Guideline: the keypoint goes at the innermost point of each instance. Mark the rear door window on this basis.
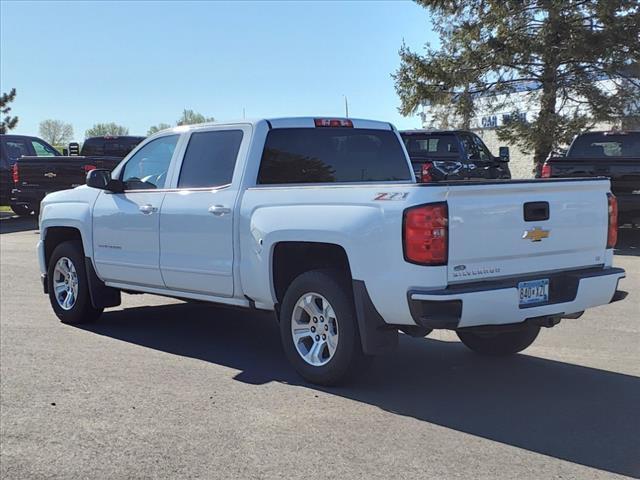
(210, 159)
(332, 155)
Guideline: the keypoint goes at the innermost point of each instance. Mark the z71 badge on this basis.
(391, 196)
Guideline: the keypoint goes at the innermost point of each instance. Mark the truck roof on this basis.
(288, 122)
(428, 131)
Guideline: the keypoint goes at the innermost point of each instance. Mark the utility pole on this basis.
(346, 106)
(243, 117)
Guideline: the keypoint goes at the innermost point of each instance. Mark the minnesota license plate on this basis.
(533, 291)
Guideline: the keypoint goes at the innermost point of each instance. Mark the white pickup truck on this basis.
(322, 221)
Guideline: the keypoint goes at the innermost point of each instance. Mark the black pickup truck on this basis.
(439, 155)
(13, 147)
(612, 154)
(34, 177)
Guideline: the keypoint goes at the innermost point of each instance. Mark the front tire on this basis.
(318, 328)
(68, 286)
(500, 343)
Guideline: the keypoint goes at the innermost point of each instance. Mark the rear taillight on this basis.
(426, 232)
(88, 168)
(612, 231)
(546, 170)
(426, 172)
(333, 122)
(15, 173)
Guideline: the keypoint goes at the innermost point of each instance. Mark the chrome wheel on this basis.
(65, 283)
(314, 329)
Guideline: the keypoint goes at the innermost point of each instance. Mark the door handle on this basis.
(147, 209)
(219, 210)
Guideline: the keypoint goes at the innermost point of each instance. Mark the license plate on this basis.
(534, 291)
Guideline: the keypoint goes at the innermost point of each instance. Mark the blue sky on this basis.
(140, 64)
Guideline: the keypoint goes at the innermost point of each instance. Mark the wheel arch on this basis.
(101, 295)
(292, 258)
(54, 236)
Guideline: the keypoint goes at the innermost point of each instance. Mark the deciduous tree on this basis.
(190, 117)
(102, 129)
(156, 128)
(56, 132)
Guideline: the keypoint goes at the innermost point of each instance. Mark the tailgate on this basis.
(51, 173)
(489, 236)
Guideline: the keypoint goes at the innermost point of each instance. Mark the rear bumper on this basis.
(497, 302)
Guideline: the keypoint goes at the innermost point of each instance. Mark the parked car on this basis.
(36, 176)
(321, 221)
(612, 154)
(438, 155)
(12, 147)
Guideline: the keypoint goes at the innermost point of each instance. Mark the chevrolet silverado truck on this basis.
(438, 155)
(612, 154)
(36, 176)
(321, 221)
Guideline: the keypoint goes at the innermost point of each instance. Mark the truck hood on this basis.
(81, 194)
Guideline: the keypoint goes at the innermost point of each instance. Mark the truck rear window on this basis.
(434, 145)
(606, 145)
(110, 146)
(332, 155)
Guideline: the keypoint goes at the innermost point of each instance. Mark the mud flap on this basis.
(101, 295)
(376, 335)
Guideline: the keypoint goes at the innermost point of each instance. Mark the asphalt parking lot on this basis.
(164, 389)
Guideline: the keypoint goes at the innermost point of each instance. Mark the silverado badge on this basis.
(535, 234)
(50, 175)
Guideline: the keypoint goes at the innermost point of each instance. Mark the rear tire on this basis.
(21, 210)
(68, 287)
(318, 307)
(500, 343)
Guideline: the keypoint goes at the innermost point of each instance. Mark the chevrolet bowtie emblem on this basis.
(50, 175)
(535, 234)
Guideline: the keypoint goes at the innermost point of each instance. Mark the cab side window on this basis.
(474, 148)
(148, 167)
(43, 150)
(210, 159)
(484, 154)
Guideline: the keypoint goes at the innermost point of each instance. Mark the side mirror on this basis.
(101, 178)
(503, 153)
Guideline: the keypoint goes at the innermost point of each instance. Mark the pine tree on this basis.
(7, 122)
(581, 57)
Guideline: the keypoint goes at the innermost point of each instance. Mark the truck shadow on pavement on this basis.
(578, 414)
(628, 242)
(14, 224)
